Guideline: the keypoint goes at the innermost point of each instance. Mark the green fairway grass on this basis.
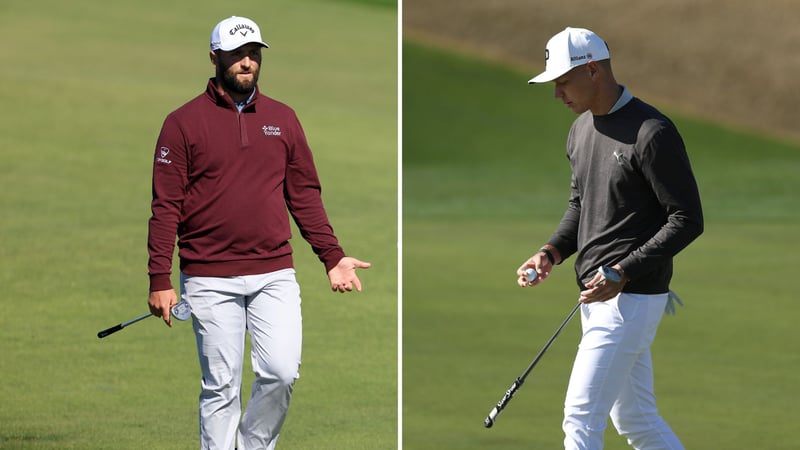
(84, 89)
(485, 182)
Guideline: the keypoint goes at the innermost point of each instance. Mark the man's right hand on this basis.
(539, 262)
(160, 303)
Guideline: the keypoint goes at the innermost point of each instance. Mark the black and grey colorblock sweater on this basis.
(634, 199)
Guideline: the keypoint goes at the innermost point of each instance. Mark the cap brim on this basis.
(547, 76)
(263, 44)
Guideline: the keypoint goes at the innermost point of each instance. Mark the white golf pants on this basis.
(223, 309)
(613, 375)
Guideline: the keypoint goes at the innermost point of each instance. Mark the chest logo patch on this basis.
(271, 130)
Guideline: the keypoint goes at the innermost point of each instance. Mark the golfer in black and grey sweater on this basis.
(634, 205)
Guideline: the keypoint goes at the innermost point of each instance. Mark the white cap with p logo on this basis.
(568, 49)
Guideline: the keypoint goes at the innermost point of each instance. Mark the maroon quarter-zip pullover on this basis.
(224, 183)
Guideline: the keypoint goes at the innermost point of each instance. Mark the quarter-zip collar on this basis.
(225, 100)
(240, 106)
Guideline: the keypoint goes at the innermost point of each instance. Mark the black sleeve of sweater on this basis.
(665, 165)
(565, 238)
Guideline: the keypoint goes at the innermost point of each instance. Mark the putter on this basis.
(490, 419)
(606, 273)
(181, 311)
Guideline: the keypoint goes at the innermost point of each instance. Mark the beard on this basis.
(231, 84)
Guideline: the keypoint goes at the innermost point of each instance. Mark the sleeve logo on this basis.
(163, 151)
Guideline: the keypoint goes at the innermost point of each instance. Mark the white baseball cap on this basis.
(235, 32)
(570, 48)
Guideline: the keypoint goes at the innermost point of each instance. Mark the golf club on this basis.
(181, 311)
(605, 273)
(490, 419)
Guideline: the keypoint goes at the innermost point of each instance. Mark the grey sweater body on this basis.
(634, 200)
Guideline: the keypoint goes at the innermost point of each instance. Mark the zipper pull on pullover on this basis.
(243, 140)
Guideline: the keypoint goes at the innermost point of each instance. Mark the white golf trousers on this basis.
(223, 309)
(613, 375)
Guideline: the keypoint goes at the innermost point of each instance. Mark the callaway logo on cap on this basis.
(234, 32)
(570, 48)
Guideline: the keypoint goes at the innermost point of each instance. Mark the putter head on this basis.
(609, 273)
(182, 311)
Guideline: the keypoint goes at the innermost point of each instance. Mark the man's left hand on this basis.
(343, 277)
(600, 289)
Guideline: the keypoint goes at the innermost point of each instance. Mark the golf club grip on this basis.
(108, 331)
(489, 421)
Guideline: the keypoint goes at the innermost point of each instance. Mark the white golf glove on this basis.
(672, 298)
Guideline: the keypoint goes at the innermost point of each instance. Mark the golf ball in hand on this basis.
(530, 275)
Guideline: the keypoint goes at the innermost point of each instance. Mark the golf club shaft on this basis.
(122, 325)
(490, 419)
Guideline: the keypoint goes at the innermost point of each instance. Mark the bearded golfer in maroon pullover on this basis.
(230, 167)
